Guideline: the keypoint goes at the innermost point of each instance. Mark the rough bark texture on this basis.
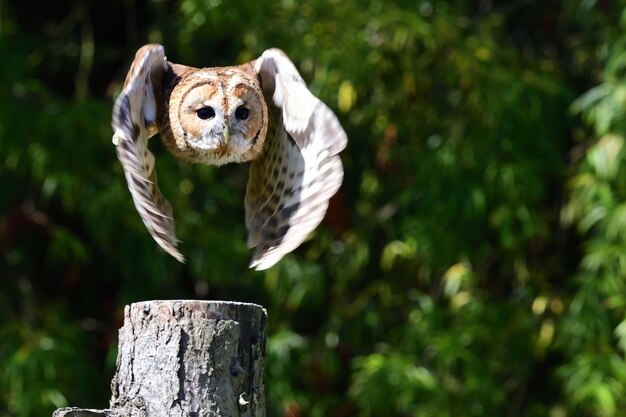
(188, 358)
(79, 412)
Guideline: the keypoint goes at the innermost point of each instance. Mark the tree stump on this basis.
(188, 358)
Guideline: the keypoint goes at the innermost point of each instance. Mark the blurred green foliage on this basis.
(473, 263)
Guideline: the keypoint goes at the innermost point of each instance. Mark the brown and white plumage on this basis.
(262, 112)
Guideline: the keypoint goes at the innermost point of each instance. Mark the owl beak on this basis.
(226, 134)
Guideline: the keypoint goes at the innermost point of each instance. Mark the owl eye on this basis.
(205, 113)
(241, 113)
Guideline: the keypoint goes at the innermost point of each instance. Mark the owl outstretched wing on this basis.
(299, 171)
(134, 121)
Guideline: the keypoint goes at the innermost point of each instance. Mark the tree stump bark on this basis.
(188, 358)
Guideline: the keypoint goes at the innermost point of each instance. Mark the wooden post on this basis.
(188, 358)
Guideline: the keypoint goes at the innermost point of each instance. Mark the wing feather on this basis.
(299, 170)
(134, 121)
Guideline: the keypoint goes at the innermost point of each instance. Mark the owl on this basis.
(260, 112)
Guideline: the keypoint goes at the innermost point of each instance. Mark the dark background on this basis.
(473, 263)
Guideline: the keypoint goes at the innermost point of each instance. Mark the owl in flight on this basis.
(262, 112)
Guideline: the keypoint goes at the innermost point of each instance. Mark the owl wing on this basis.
(134, 121)
(299, 170)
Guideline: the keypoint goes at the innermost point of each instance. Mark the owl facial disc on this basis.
(217, 116)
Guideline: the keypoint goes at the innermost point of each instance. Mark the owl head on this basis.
(217, 116)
